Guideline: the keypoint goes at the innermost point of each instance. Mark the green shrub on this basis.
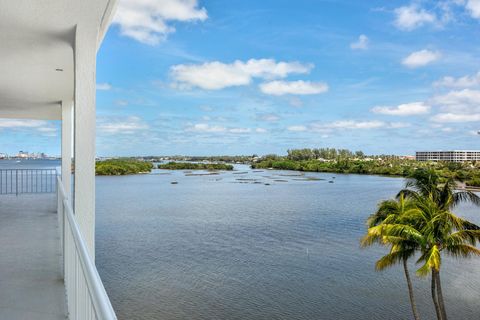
(119, 167)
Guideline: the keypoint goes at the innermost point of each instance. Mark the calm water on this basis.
(211, 247)
(30, 164)
(223, 247)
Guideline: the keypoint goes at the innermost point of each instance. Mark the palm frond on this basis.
(466, 196)
(462, 251)
(431, 259)
(389, 260)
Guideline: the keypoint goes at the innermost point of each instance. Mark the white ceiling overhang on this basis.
(36, 53)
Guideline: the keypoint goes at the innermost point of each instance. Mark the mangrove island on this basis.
(195, 166)
(120, 167)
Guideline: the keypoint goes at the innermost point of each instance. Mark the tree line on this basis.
(344, 161)
(195, 166)
(323, 153)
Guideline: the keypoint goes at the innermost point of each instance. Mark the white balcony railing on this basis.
(86, 295)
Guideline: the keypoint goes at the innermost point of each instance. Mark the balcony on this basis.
(47, 72)
(31, 279)
(46, 271)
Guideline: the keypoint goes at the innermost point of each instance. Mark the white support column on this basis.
(67, 146)
(84, 133)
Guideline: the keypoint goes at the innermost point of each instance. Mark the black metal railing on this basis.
(19, 181)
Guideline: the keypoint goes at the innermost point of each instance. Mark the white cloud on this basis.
(420, 58)
(351, 124)
(299, 87)
(356, 125)
(473, 7)
(147, 21)
(447, 129)
(104, 86)
(459, 101)
(218, 75)
(361, 43)
(121, 125)
(407, 109)
(398, 125)
(297, 128)
(239, 130)
(45, 128)
(411, 17)
(462, 82)
(48, 131)
(328, 127)
(453, 117)
(204, 127)
(458, 106)
(16, 123)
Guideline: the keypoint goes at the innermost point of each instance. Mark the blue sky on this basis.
(242, 77)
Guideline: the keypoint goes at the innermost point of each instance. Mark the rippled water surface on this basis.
(229, 247)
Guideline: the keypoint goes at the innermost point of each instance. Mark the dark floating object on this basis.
(292, 175)
(174, 182)
(331, 181)
(202, 174)
(308, 179)
(267, 184)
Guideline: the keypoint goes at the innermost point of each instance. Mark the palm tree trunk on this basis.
(410, 290)
(434, 297)
(440, 296)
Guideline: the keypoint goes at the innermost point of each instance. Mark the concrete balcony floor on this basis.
(31, 284)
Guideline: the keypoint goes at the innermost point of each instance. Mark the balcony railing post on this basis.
(16, 182)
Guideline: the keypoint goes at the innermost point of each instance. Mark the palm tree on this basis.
(391, 212)
(434, 230)
(427, 183)
(442, 197)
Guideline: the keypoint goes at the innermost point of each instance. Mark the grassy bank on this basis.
(195, 166)
(465, 172)
(120, 167)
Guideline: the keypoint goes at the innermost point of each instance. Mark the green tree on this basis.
(428, 183)
(436, 197)
(392, 212)
(434, 230)
(428, 226)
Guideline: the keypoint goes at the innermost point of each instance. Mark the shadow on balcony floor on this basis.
(31, 285)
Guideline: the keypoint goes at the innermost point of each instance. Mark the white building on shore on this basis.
(449, 156)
